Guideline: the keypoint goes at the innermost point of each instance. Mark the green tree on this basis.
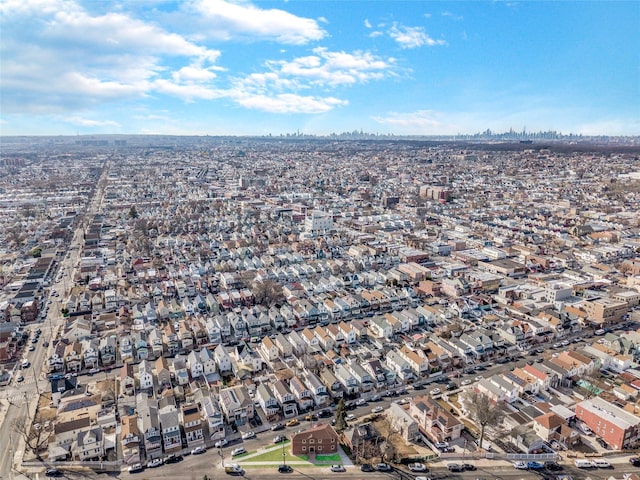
(341, 416)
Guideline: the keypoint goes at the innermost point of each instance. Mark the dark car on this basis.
(325, 413)
(552, 466)
(285, 469)
(367, 467)
(53, 472)
(635, 461)
(173, 459)
(469, 467)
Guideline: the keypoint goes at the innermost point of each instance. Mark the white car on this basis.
(238, 451)
(338, 468)
(221, 443)
(417, 467)
(248, 435)
(601, 463)
(377, 409)
(441, 444)
(466, 381)
(520, 465)
(198, 450)
(156, 462)
(435, 391)
(350, 417)
(360, 402)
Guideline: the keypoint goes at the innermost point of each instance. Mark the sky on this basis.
(235, 67)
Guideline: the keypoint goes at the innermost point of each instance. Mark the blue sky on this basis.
(223, 67)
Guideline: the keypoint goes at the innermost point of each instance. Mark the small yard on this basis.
(330, 459)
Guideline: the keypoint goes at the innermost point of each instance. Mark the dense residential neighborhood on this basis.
(219, 287)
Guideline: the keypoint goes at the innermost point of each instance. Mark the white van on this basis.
(599, 463)
(584, 464)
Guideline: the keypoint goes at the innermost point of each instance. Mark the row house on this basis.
(163, 374)
(91, 353)
(416, 359)
(268, 401)
(130, 439)
(269, 349)
(125, 346)
(380, 328)
(498, 389)
(236, 405)
(154, 342)
(170, 425)
(284, 346)
(396, 363)
(362, 376)
(302, 393)
(213, 331)
(192, 424)
(107, 348)
(286, 399)
(145, 376)
(72, 357)
(333, 385)
(345, 376)
(223, 359)
(377, 372)
(212, 415)
(318, 389)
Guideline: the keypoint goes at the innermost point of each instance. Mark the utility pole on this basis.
(284, 454)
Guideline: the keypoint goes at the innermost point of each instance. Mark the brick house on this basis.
(320, 440)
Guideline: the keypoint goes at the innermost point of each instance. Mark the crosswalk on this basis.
(20, 396)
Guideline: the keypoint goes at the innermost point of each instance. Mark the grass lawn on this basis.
(331, 459)
(274, 455)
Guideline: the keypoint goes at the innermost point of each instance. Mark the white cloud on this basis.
(412, 37)
(452, 16)
(327, 68)
(290, 103)
(412, 121)
(367, 23)
(87, 122)
(227, 20)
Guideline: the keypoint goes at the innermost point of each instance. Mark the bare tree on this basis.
(483, 411)
(15, 235)
(36, 437)
(267, 292)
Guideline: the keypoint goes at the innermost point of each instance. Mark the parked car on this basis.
(156, 462)
(248, 435)
(384, 467)
(221, 443)
(435, 391)
(635, 461)
(350, 417)
(553, 466)
(367, 467)
(238, 451)
(323, 414)
(377, 409)
(580, 463)
(535, 466)
(360, 402)
(53, 472)
(198, 450)
(135, 468)
(312, 417)
(173, 459)
(465, 382)
(285, 469)
(520, 465)
(338, 468)
(292, 423)
(277, 426)
(234, 469)
(468, 467)
(455, 467)
(279, 439)
(600, 463)
(417, 467)
(440, 445)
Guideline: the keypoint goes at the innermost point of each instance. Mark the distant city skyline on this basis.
(214, 67)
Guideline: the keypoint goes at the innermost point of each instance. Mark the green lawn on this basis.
(274, 455)
(331, 459)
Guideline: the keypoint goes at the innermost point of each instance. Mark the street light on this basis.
(284, 455)
(221, 455)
